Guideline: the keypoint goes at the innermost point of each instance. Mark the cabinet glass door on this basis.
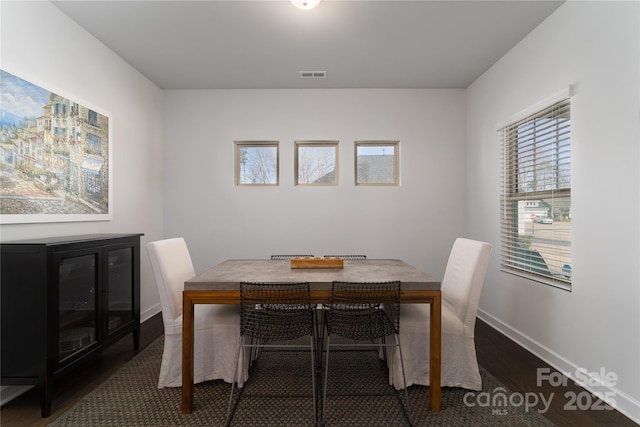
(78, 289)
(120, 288)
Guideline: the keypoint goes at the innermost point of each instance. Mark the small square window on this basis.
(257, 162)
(316, 163)
(377, 162)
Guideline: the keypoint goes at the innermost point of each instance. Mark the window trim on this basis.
(328, 144)
(396, 162)
(256, 144)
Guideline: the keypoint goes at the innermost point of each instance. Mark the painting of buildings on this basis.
(54, 156)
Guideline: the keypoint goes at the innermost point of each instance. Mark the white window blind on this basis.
(536, 195)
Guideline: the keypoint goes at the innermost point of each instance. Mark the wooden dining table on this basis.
(221, 285)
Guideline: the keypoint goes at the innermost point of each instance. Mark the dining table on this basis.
(220, 284)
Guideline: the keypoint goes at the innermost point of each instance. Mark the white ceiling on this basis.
(264, 44)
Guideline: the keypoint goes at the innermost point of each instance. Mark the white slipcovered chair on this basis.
(461, 286)
(216, 326)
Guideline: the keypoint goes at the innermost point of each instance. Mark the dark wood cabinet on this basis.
(63, 300)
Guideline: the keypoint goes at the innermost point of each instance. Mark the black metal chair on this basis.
(352, 257)
(323, 307)
(290, 256)
(363, 311)
(274, 312)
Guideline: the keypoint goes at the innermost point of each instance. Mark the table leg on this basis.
(435, 346)
(187, 353)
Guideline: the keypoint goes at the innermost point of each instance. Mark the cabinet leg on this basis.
(136, 340)
(45, 399)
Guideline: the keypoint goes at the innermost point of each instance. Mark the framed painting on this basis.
(54, 156)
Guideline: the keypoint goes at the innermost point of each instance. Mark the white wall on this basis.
(42, 45)
(417, 221)
(594, 45)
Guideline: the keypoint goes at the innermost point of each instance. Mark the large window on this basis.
(536, 196)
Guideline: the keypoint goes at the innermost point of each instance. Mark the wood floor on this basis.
(516, 368)
(508, 362)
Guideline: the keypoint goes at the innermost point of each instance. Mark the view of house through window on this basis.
(316, 163)
(256, 162)
(377, 162)
(536, 199)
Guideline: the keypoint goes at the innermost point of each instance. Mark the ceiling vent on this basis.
(313, 74)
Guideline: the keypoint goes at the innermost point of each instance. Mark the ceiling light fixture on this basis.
(305, 4)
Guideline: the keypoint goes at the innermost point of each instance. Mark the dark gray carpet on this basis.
(279, 394)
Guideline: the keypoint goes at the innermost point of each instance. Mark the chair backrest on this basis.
(352, 257)
(464, 277)
(356, 309)
(276, 311)
(172, 266)
(290, 256)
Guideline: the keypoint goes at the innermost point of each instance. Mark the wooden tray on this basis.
(317, 263)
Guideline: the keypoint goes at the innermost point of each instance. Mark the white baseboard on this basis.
(622, 402)
(150, 312)
(10, 392)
